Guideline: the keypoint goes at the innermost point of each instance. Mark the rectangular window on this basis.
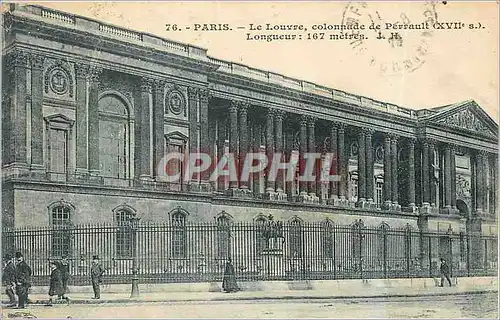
(379, 192)
(58, 145)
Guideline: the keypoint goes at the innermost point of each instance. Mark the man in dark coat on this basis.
(9, 279)
(64, 267)
(229, 283)
(445, 272)
(56, 283)
(23, 280)
(96, 272)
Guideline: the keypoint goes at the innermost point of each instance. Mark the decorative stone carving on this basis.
(58, 79)
(379, 154)
(354, 148)
(175, 102)
(465, 119)
(147, 85)
(204, 96)
(37, 61)
(463, 187)
(81, 69)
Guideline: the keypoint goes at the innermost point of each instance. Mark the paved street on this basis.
(459, 306)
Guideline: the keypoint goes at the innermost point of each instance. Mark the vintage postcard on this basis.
(319, 159)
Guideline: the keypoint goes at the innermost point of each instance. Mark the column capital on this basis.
(233, 106)
(393, 137)
(482, 153)
(192, 92)
(18, 58)
(147, 84)
(82, 69)
(37, 60)
(411, 141)
(429, 141)
(303, 120)
(311, 121)
(159, 84)
(279, 114)
(368, 131)
(243, 106)
(95, 73)
(204, 95)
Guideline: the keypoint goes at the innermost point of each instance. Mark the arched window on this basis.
(261, 242)
(125, 238)
(327, 239)
(223, 235)
(114, 136)
(60, 219)
(178, 218)
(295, 238)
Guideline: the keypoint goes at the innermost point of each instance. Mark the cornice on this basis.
(102, 43)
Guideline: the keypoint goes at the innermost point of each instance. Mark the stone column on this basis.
(387, 173)
(361, 168)
(484, 181)
(369, 166)
(334, 169)
(311, 149)
(453, 173)
(233, 137)
(81, 73)
(447, 177)
(243, 126)
(278, 129)
(342, 163)
(302, 151)
(269, 149)
(18, 62)
(411, 173)
(93, 120)
(37, 160)
(158, 125)
(221, 143)
(425, 174)
(145, 144)
(430, 172)
(494, 185)
(206, 144)
(394, 168)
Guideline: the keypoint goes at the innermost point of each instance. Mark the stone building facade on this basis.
(89, 110)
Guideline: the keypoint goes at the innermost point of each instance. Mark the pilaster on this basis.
(93, 121)
(145, 129)
(82, 72)
(278, 129)
(37, 159)
(361, 169)
(158, 125)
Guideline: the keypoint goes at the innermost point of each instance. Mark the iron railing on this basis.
(197, 252)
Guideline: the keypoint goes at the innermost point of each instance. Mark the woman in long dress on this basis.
(56, 284)
(229, 283)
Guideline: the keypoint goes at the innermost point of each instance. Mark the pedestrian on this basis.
(23, 280)
(9, 279)
(229, 283)
(56, 287)
(96, 272)
(445, 272)
(64, 266)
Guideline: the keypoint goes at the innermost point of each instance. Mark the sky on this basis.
(453, 65)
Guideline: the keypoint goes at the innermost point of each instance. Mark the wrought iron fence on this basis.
(197, 252)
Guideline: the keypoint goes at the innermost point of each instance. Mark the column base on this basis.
(275, 196)
(426, 208)
(338, 202)
(240, 193)
(448, 210)
(411, 208)
(362, 203)
(38, 172)
(308, 198)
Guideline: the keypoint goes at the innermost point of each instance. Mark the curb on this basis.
(284, 297)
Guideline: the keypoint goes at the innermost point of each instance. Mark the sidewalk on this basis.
(346, 293)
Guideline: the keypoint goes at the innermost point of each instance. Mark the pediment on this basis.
(468, 116)
(176, 136)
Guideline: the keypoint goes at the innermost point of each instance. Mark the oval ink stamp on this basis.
(395, 42)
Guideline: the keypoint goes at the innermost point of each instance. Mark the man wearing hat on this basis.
(23, 280)
(9, 279)
(96, 272)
